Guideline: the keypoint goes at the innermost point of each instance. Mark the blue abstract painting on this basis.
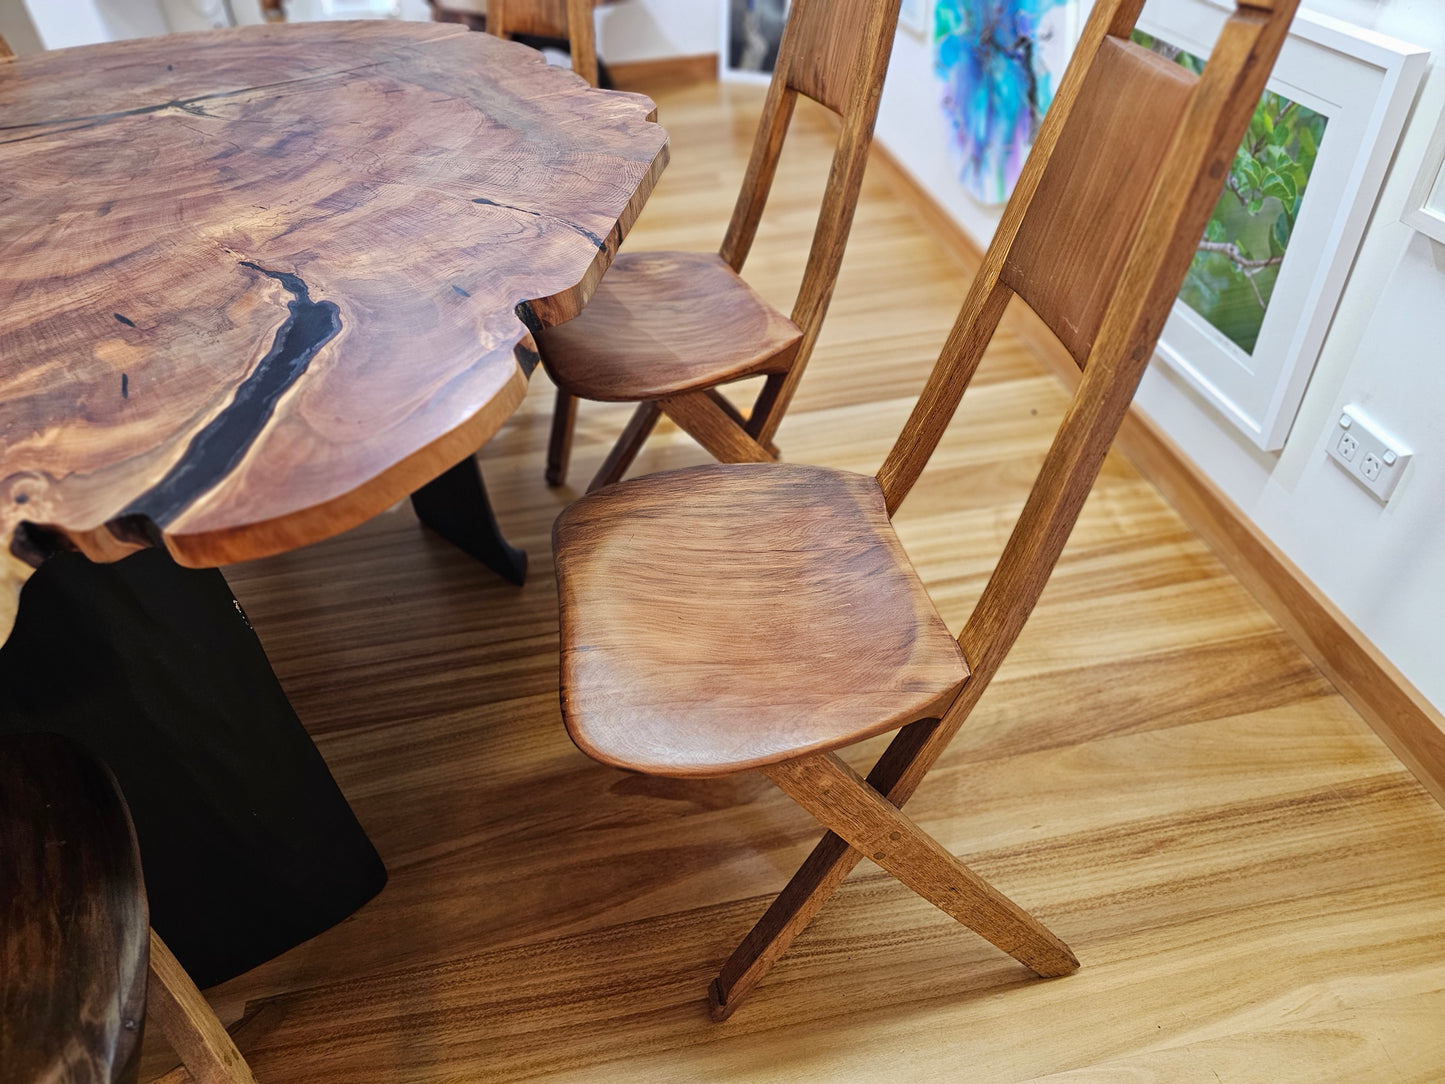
(1000, 62)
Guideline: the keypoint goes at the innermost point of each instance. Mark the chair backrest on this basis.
(569, 19)
(543, 18)
(1097, 238)
(835, 52)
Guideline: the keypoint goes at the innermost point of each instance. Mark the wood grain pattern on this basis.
(1251, 879)
(73, 930)
(715, 424)
(190, 1024)
(833, 636)
(297, 282)
(824, 61)
(846, 804)
(664, 323)
(1061, 262)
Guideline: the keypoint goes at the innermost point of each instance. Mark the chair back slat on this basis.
(814, 41)
(1067, 255)
(541, 18)
(836, 52)
(987, 297)
(823, 55)
(1136, 294)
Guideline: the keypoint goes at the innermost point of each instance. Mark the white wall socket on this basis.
(1367, 453)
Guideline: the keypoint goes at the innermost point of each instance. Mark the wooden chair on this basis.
(666, 329)
(80, 962)
(759, 616)
(560, 20)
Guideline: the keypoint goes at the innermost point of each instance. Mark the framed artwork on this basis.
(914, 15)
(1425, 207)
(1268, 273)
(751, 32)
(1000, 62)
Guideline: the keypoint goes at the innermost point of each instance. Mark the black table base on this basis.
(455, 505)
(247, 844)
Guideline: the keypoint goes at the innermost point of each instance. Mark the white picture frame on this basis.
(741, 43)
(1364, 83)
(914, 16)
(1425, 206)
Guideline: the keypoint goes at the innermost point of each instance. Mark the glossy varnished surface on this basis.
(74, 933)
(1252, 882)
(727, 617)
(837, 53)
(1063, 262)
(257, 285)
(667, 322)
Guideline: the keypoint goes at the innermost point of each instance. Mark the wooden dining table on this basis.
(256, 286)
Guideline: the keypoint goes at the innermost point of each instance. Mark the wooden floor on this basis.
(1255, 886)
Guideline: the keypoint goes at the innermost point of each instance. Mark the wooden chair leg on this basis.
(845, 803)
(188, 1023)
(710, 425)
(582, 37)
(816, 880)
(559, 446)
(742, 423)
(627, 446)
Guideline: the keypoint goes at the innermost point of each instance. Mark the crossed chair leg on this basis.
(862, 821)
(706, 416)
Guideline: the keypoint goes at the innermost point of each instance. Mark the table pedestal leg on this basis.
(247, 844)
(455, 506)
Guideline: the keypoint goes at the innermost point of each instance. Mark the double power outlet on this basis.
(1367, 453)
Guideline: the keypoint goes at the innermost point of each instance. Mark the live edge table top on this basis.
(257, 285)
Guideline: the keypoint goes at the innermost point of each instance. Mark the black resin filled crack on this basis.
(601, 244)
(214, 451)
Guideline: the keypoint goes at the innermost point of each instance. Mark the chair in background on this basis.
(5, 51)
(666, 329)
(568, 21)
(760, 616)
(78, 959)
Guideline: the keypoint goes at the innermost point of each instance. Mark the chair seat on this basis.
(732, 616)
(74, 926)
(662, 323)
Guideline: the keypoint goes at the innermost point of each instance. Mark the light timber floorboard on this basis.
(1255, 886)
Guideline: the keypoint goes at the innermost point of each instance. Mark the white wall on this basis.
(631, 30)
(1384, 567)
(647, 29)
(17, 28)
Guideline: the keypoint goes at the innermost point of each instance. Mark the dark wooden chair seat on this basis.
(803, 564)
(79, 963)
(74, 928)
(663, 323)
(760, 616)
